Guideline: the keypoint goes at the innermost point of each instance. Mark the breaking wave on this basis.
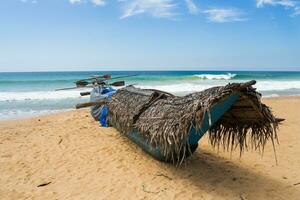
(39, 95)
(262, 86)
(176, 88)
(227, 76)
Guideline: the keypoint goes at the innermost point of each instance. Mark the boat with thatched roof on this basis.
(169, 127)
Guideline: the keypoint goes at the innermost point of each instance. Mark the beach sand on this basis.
(78, 159)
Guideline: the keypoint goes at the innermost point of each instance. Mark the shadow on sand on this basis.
(222, 177)
(219, 176)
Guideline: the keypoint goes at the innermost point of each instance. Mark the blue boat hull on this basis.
(216, 112)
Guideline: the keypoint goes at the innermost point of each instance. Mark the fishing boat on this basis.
(169, 127)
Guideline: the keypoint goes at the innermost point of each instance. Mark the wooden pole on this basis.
(247, 84)
(93, 103)
(85, 93)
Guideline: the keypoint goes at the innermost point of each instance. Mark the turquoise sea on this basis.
(25, 94)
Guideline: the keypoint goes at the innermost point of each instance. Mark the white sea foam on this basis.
(20, 114)
(272, 95)
(38, 95)
(227, 76)
(177, 88)
(26, 104)
(277, 85)
(193, 87)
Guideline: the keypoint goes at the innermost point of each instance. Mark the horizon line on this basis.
(130, 70)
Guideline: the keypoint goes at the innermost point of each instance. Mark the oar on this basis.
(105, 76)
(116, 84)
(72, 88)
(85, 93)
(93, 103)
(84, 82)
(123, 76)
(81, 83)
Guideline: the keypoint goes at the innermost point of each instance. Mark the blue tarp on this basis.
(104, 111)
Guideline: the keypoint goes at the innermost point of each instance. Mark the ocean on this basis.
(25, 94)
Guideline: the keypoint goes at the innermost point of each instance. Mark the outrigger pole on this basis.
(99, 80)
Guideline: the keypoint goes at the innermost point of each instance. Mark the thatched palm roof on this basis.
(165, 119)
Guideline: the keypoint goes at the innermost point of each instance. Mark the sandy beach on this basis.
(69, 156)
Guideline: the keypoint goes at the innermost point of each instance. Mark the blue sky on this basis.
(43, 35)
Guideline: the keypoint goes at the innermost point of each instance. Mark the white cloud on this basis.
(221, 15)
(193, 9)
(75, 1)
(297, 11)
(285, 3)
(98, 2)
(289, 4)
(156, 8)
(29, 1)
(95, 2)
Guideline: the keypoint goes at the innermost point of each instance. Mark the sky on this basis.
(62, 35)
